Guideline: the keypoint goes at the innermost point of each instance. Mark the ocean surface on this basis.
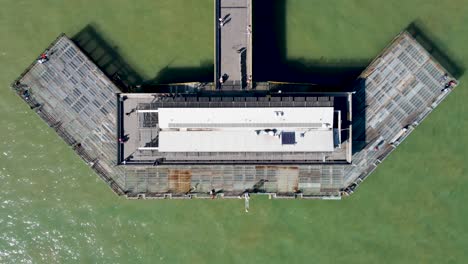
(54, 209)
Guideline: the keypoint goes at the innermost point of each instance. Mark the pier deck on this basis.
(396, 92)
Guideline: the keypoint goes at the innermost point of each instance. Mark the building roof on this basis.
(243, 141)
(246, 118)
(246, 129)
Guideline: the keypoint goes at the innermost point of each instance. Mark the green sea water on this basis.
(54, 209)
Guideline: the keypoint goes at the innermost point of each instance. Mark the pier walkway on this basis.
(233, 32)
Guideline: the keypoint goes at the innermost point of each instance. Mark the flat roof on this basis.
(246, 118)
(145, 120)
(246, 129)
(243, 141)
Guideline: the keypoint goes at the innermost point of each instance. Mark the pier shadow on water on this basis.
(270, 63)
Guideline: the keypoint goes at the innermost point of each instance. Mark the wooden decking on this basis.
(399, 89)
